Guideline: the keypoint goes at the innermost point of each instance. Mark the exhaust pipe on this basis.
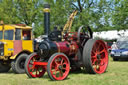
(46, 19)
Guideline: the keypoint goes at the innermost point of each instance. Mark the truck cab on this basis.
(16, 43)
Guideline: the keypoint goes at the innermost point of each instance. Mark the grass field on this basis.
(117, 74)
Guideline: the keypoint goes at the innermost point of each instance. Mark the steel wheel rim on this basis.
(59, 67)
(35, 71)
(99, 57)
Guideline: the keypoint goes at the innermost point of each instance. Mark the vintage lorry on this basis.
(16, 44)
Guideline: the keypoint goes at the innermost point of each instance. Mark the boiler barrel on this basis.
(48, 48)
(67, 48)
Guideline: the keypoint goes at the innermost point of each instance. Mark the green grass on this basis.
(117, 74)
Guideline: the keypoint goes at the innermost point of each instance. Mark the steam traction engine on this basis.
(61, 51)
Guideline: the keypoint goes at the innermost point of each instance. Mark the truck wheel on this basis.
(34, 71)
(95, 56)
(4, 67)
(58, 66)
(18, 64)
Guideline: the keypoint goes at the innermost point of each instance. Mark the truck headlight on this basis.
(2, 53)
(125, 53)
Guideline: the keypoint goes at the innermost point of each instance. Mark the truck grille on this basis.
(1, 49)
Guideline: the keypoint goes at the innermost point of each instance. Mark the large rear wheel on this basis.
(95, 56)
(58, 66)
(31, 70)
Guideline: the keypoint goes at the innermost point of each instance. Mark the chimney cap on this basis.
(46, 6)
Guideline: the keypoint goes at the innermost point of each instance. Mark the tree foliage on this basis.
(120, 14)
(98, 14)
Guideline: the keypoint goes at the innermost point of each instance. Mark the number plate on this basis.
(117, 54)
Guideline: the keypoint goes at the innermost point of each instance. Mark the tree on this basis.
(120, 14)
(99, 14)
(19, 11)
(8, 12)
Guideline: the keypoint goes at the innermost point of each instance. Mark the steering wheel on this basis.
(84, 33)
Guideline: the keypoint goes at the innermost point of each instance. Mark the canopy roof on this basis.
(20, 26)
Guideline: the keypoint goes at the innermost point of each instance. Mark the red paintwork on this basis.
(21, 25)
(67, 48)
(55, 69)
(17, 46)
(71, 36)
(63, 47)
(40, 63)
(99, 65)
(60, 65)
(36, 68)
(70, 45)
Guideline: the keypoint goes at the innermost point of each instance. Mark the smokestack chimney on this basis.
(46, 19)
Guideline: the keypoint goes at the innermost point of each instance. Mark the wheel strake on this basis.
(35, 71)
(99, 57)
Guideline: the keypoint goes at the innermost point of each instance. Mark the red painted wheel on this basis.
(31, 70)
(58, 66)
(95, 56)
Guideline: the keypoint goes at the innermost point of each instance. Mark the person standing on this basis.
(114, 46)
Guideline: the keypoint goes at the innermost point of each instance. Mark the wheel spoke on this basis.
(30, 63)
(62, 60)
(54, 72)
(102, 51)
(64, 69)
(102, 62)
(60, 73)
(39, 69)
(36, 72)
(98, 47)
(94, 57)
(94, 62)
(101, 66)
(56, 61)
(32, 68)
(64, 63)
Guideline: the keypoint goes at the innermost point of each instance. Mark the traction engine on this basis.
(62, 51)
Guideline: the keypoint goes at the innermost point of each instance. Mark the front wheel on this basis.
(32, 70)
(95, 56)
(18, 64)
(58, 66)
